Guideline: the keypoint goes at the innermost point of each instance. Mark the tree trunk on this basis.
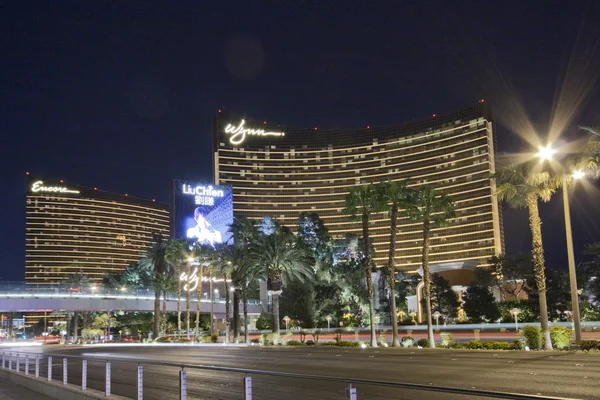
(85, 318)
(156, 327)
(178, 298)
(427, 280)
(10, 326)
(539, 269)
(188, 322)
(245, 305)
(227, 313)
(275, 298)
(392, 271)
(75, 327)
(365, 229)
(164, 312)
(236, 315)
(212, 304)
(198, 298)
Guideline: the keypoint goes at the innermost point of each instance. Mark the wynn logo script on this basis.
(238, 133)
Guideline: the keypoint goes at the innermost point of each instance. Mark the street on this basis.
(561, 374)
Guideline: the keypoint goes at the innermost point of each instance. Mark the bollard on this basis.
(26, 364)
(107, 382)
(182, 385)
(248, 387)
(65, 371)
(351, 392)
(10, 361)
(37, 366)
(84, 375)
(140, 382)
(49, 368)
(18, 363)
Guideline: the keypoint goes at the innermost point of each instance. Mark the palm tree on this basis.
(244, 233)
(589, 157)
(202, 254)
(520, 186)
(433, 209)
(155, 258)
(178, 252)
(284, 259)
(395, 195)
(361, 202)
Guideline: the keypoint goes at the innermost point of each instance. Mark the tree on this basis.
(479, 304)
(432, 209)
(155, 259)
(510, 274)
(520, 186)
(360, 203)
(79, 281)
(395, 196)
(284, 258)
(244, 233)
(589, 156)
(443, 298)
(179, 252)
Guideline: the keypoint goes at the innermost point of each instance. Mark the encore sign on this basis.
(38, 187)
(238, 133)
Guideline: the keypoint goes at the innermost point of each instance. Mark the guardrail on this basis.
(248, 383)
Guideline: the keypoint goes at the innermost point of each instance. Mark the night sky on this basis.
(120, 95)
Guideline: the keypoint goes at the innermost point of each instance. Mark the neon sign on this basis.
(194, 280)
(205, 195)
(38, 187)
(238, 133)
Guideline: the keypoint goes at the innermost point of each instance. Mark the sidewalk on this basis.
(10, 391)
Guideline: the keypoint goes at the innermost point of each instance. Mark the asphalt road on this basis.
(561, 374)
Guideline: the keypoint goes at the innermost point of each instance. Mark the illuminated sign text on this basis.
(238, 133)
(39, 187)
(205, 195)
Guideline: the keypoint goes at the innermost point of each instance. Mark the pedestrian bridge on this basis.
(24, 299)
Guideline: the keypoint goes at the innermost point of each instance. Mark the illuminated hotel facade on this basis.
(72, 229)
(282, 171)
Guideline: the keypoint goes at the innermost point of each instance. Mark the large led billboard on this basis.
(202, 212)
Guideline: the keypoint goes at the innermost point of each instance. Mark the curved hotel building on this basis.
(282, 171)
(71, 229)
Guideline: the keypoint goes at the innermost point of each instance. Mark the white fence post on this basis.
(18, 363)
(26, 364)
(182, 384)
(65, 363)
(247, 387)
(10, 361)
(49, 368)
(37, 366)
(107, 383)
(140, 383)
(84, 375)
(351, 392)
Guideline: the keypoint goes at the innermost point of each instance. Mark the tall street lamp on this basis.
(287, 320)
(546, 153)
(328, 318)
(437, 316)
(515, 312)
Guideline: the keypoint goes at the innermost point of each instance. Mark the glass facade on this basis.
(71, 228)
(282, 171)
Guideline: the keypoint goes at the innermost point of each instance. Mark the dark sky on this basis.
(120, 95)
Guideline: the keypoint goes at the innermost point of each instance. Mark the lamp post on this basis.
(413, 315)
(437, 316)
(546, 153)
(287, 319)
(401, 315)
(515, 312)
(328, 318)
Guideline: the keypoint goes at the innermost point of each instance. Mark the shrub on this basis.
(264, 339)
(561, 337)
(214, 338)
(533, 336)
(310, 342)
(496, 345)
(589, 345)
(456, 345)
(341, 343)
(474, 345)
(423, 343)
(516, 345)
(294, 343)
(264, 322)
(255, 340)
(407, 341)
(446, 338)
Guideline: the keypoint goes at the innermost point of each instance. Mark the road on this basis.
(561, 374)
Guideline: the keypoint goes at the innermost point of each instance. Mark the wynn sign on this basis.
(238, 133)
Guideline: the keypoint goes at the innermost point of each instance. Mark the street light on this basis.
(401, 315)
(437, 316)
(413, 315)
(546, 153)
(287, 320)
(515, 312)
(328, 318)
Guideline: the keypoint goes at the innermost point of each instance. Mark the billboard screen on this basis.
(202, 212)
